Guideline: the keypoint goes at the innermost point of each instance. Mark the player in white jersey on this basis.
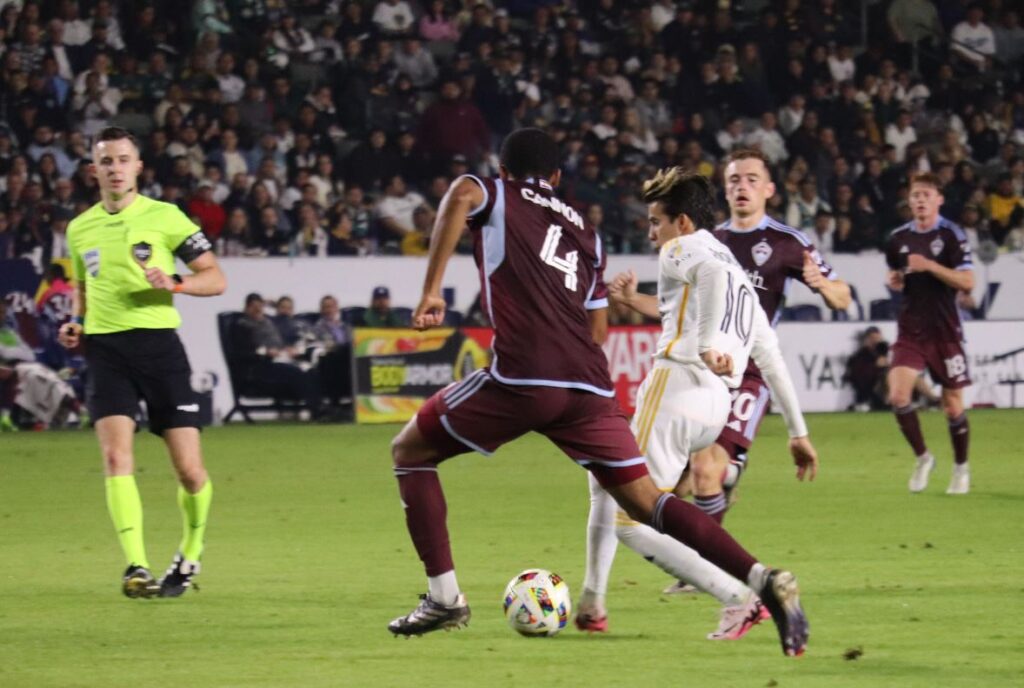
(712, 323)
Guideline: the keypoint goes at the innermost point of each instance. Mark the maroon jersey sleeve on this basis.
(478, 216)
(795, 258)
(958, 249)
(892, 252)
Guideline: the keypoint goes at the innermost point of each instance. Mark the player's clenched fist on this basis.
(812, 273)
(70, 335)
(430, 312)
(623, 287)
(717, 362)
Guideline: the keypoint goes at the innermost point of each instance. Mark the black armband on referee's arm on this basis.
(193, 247)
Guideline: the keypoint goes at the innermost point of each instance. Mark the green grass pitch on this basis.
(307, 559)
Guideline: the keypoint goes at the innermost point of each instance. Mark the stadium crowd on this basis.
(328, 127)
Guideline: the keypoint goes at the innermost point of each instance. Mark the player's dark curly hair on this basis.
(529, 152)
(682, 193)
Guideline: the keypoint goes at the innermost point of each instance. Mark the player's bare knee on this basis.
(952, 406)
(899, 399)
(192, 478)
(117, 461)
(406, 452)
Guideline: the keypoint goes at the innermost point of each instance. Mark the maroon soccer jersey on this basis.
(541, 269)
(772, 254)
(929, 311)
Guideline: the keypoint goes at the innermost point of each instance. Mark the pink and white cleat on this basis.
(591, 623)
(737, 620)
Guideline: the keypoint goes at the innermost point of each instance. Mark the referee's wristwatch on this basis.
(179, 283)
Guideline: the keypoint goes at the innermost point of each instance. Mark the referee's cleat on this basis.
(139, 582)
(431, 616)
(782, 598)
(179, 576)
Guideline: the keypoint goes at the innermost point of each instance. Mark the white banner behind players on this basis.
(816, 355)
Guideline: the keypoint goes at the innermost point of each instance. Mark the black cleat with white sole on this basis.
(431, 616)
(178, 577)
(782, 598)
(138, 582)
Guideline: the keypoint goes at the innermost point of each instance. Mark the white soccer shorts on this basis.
(679, 409)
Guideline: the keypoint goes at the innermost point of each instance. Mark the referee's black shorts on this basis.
(125, 367)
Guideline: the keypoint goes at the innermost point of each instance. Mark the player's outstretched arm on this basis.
(463, 195)
(835, 292)
(623, 289)
(768, 357)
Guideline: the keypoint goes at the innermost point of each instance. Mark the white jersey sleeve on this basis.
(768, 357)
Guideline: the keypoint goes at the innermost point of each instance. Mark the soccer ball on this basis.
(537, 603)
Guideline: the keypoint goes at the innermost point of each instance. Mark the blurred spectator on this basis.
(768, 139)
(12, 346)
(236, 239)
(416, 63)
(310, 238)
(210, 214)
(972, 40)
(393, 16)
(901, 134)
(437, 25)
(1005, 209)
(982, 139)
(335, 364)
(395, 210)
(264, 361)
(295, 331)
(292, 39)
(806, 206)
(417, 242)
(453, 126)
(866, 371)
(380, 314)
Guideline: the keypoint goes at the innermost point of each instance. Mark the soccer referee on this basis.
(123, 250)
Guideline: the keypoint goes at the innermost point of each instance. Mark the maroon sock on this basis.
(713, 505)
(692, 527)
(425, 516)
(960, 433)
(906, 416)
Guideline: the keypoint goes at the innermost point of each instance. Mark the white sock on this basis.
(444, 588)
(683, 563)
(601, 545)
(757, 578)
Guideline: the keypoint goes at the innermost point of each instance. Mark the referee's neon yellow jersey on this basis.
(108, 251)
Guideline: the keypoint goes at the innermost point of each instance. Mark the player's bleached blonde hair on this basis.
(682, 193)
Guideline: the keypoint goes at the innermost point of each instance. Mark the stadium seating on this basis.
(807, 312)
(882, 309)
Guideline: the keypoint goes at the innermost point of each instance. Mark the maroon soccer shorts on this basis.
(945, 361)
(749, 406)
(481, 414)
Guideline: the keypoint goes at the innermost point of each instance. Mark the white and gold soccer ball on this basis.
(537, 603)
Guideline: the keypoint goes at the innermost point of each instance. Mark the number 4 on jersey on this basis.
(568, 265)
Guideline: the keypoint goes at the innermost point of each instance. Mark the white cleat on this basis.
(960, 482)
(923, 471)
(680, 588)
